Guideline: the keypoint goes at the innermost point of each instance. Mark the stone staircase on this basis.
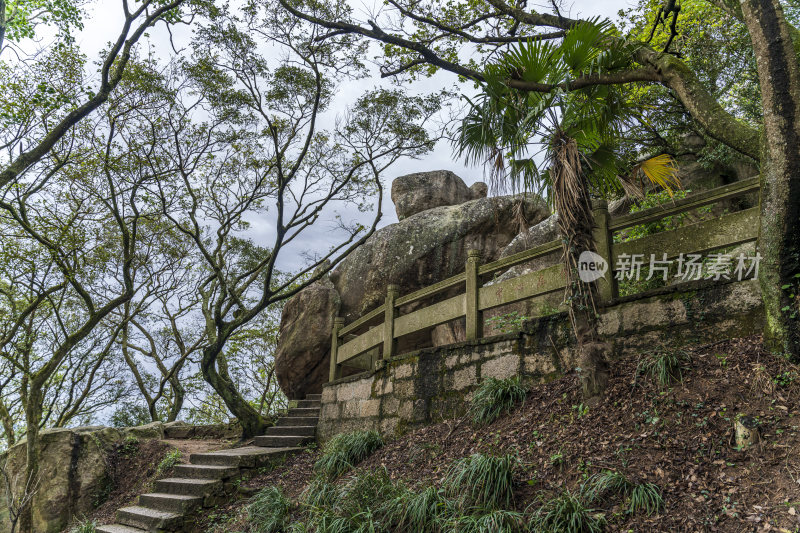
(209, 477)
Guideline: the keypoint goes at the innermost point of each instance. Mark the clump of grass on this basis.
(602, 485)
(171, 458)
(486, 480)
(645, 497)
(488, 520)
(418, 511)
(87, 526)
(664, 366)
(567, 513)
(268, 511)
(346, 450)
(367, 490)
(319, 493)
(641, 497)
(494, 397)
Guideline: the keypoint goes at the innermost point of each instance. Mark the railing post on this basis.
(338, 322)
(474, 322)
(607, 288)
(388, 321)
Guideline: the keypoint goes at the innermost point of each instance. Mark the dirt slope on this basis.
(679, 437)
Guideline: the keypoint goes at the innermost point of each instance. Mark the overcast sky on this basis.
(104, 21)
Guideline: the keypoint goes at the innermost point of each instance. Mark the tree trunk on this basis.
(779, 242)
(216, 374)
(33, 416)
(576, 223)
(179, 393)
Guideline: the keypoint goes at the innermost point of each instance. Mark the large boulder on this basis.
(428, 247)
(302, 358)
(74, 475)
(415, 193)
(422, 249)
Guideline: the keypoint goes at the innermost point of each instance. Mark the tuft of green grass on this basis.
(268, 511)
(418, 511)
(645, 497)
(319, 493)
(346, 450)
(171, 458)
(664, 366)
(87, 526)
(567, 513)
(366, 491)
(487, 521)
(494, 397)
(604, 484)
(486, 480)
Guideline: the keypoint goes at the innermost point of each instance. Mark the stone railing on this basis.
(381, 327)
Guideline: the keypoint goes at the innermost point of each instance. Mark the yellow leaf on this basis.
(661, 170)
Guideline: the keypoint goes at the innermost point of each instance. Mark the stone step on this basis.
(205, 471)
(173, 503)
(315, 404)
(188, 487)
(297, 421)
(118, 528)
(149, 519)
(282, 441)
(314, 397)
(306, 431)
(247, 457)
(304, 412)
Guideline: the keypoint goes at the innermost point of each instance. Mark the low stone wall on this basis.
(436, 383)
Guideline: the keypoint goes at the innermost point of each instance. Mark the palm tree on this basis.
(576, 133)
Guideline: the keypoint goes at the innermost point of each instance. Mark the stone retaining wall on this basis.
(436, 383)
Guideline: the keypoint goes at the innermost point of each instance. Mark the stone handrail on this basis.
(728, 230)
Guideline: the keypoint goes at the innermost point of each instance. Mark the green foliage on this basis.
(346, 450)
(488, 521)
(130, 446)
(494, 397)
(607, 482)
(642, 497)
(86, 526)
(130, 415)
(645, 497)
(268, 511)
(508, 322)
(23, 17)
(656, 199)
(171, 458)
(567, 513)
(663, 365)
(484, 480)
(425, 510)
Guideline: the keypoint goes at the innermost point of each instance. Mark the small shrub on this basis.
(87, 526)
(168, 462)
(664, 366)
(495, 396)
(486, 480)
(645, 497)
(268, 511)
(346, 450)
(567, 514)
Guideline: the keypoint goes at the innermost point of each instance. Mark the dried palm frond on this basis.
(661, 170)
